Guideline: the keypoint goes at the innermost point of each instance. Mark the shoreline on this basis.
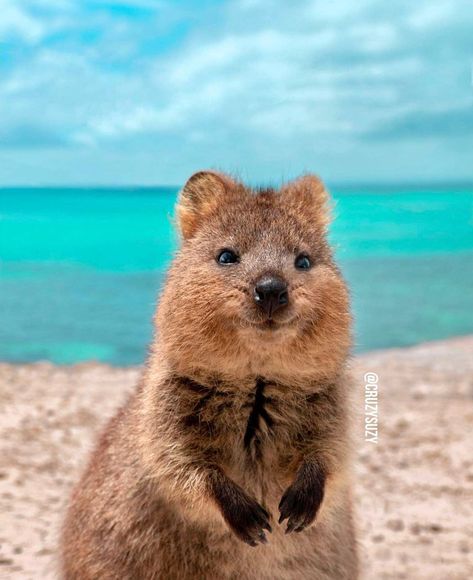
(413, 489)
(98, 363)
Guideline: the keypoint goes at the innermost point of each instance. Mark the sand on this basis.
(414, 488)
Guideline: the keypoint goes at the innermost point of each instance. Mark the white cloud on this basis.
(16, 22)
(305, 80)
(433, 14)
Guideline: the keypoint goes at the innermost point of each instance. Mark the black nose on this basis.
(271, 294)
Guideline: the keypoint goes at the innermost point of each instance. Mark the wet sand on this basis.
(414, 488)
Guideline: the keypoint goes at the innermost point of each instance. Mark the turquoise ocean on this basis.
(80, 269)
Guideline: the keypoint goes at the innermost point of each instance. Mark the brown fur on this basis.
(235, 426)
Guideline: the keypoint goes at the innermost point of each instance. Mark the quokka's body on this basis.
(241, 417)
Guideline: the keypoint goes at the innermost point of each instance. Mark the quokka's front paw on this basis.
(245, 516)
(301, 501)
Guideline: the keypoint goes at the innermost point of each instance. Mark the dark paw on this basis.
(248, 520)
(301, 501)
(244, 515)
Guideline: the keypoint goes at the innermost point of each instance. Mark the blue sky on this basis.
(146, 92)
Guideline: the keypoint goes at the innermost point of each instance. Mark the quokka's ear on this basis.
(201, 194)
(308, 194)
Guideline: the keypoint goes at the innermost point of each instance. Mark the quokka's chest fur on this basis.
(256, 429)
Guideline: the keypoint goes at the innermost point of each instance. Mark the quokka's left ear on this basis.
(200, 196)
(308, 194)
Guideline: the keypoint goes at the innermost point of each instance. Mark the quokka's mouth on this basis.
(269, 324)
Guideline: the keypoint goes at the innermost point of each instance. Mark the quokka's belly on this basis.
(187, 551)
(325, 551)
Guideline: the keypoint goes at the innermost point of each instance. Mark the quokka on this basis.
(231, 460)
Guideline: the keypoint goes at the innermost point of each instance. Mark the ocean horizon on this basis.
(81, 267)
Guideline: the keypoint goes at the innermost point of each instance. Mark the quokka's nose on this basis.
(271, 294)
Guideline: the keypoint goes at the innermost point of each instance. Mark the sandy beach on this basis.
(414, 488)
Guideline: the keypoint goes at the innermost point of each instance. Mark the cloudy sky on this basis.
(146, 92)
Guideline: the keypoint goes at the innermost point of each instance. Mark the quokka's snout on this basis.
(271, 294)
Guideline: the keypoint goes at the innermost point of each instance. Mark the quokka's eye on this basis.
(302, 262)
(226, 257)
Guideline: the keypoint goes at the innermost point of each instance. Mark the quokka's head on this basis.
(254, 284)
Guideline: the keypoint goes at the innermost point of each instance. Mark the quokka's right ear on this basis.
(199, 197)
